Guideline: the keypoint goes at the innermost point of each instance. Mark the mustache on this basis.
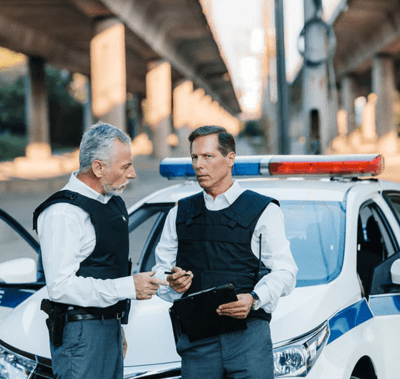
(123, 185)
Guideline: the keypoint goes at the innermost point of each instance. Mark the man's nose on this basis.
(198, 163)
(131, 173)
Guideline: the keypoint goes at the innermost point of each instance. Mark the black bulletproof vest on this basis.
(216, 245)
(109, 259)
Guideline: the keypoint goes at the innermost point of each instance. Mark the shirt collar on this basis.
(230, 195)
(76, 185)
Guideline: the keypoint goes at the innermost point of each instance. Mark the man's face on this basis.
(119, 171)
(213, 170)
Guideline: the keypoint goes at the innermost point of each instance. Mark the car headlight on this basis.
(14, 366)
(297, 357)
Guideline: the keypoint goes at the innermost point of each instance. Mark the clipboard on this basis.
(196, 314)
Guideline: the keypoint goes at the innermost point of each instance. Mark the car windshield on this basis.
(315, 230)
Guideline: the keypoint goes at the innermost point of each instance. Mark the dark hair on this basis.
(226, 142)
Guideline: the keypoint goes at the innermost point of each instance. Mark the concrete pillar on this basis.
(158, 106)
(368, 119)
(319, 130)
(38, 112)
(196, 116)
(205, 109)
(349, 95)
(383, 85)
(108, 72)
(181, 115)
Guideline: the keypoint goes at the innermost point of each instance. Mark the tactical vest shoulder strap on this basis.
(248, 206)
(189, 208)
(64, 196)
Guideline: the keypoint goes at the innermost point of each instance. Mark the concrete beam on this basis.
(131, 13)
(23, 39)
(364, 51)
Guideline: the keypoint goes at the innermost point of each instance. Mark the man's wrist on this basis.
(256, 300)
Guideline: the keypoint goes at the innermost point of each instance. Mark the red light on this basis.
(354, 165)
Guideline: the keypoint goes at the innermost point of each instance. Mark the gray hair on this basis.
(98, 144)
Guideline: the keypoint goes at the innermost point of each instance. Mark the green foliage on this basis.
(12, 107)
(12, 146)
(65, 113)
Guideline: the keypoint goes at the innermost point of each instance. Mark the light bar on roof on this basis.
(352, 165)
(327, 165)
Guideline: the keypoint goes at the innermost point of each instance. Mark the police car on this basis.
(19, 276)
(341, 321)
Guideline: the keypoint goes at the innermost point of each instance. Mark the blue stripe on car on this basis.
(11, 297)
(348, 319)
(385, 305)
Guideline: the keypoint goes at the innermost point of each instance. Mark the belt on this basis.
(83, 316)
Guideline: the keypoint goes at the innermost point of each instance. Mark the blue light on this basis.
(182, 167)
(176, 168)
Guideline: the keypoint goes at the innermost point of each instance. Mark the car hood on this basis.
(149, 333)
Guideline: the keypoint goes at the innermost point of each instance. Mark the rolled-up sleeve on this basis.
(276, 255)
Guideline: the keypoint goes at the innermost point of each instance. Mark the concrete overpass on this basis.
(161, 51)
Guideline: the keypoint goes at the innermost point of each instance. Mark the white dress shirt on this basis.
(275, 250)
(67, 237)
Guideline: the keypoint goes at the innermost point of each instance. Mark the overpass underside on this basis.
(365, 68)
(159, 51)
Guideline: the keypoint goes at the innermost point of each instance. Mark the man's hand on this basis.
(124, 343)
(237, 309)
(146, 286)
(178, 281)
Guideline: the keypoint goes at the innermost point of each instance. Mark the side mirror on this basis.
(21, 270)
(395, 271)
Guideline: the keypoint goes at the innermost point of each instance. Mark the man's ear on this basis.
(98, 168)
(231, 156)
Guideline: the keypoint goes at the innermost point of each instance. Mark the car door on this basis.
(379, 230)
(19, 261)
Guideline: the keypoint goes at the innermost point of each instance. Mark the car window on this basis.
(393, 199)
(316, 234)
(12, 244)
(377, 250)
(314, 229)
(145, 226)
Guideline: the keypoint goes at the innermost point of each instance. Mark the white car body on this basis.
(355, 335)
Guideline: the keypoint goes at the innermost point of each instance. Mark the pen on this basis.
(170, 273)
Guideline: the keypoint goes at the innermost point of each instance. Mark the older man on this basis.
(83, 232)
(215, 237)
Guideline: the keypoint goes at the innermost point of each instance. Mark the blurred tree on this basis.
(65, 112)
(12, 107)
